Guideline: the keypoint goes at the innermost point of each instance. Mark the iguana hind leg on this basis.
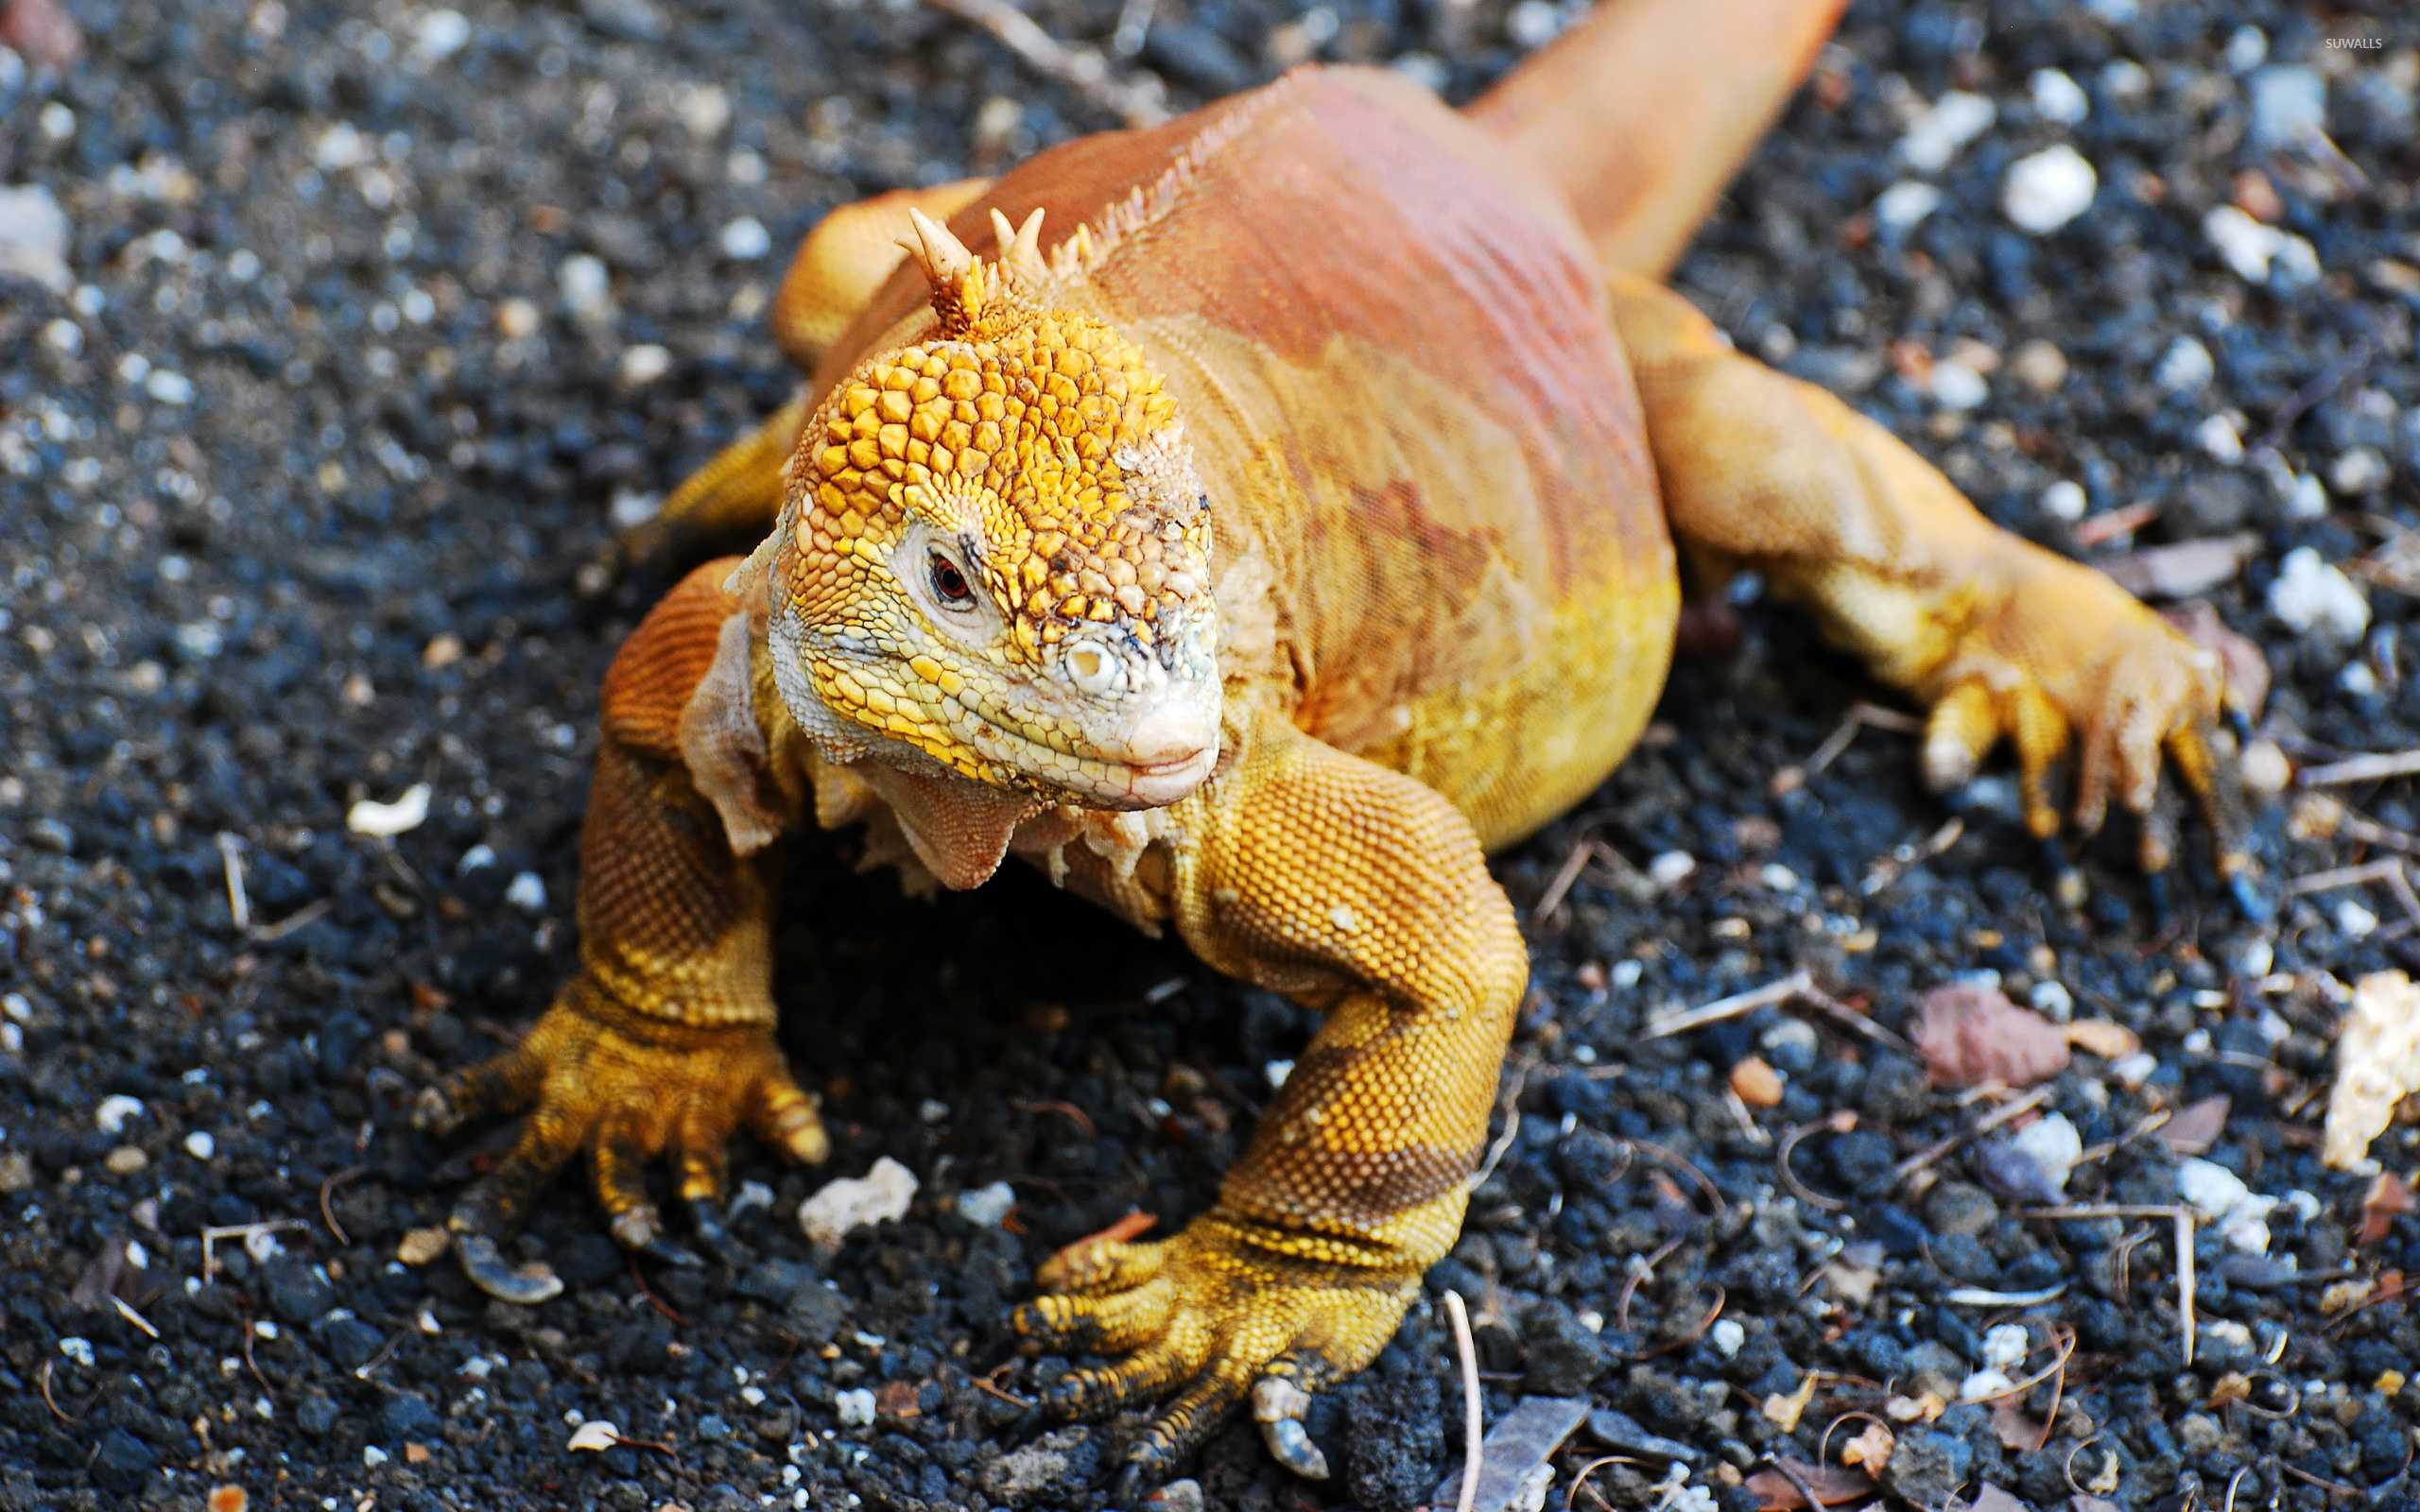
(2002, 639)
(1363, 894)
(840, 264)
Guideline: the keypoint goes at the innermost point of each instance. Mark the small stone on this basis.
(438, 35)
(420, 1245)
(2219, 437)
(1956, 385)
(2264, 771)
(882, 1195)
(853, 1408)
(2048, 189)
(987, 1207)
(2184, 367)
(595, 1436)
(2066, 501)
(1956, 1208)
(746, 239)
(34, 238)
(2006, 1345)
(2039, 365)
(2358, 470)
(527, 892)
(704, 109)
(1671, 868)
(1177, 1496)
(2288, 107)
(2314, 597)
(644, 363)
(16, 1172)
(126, 1160)
(1757, 1083)
(516, 320)
(585, 288)
(2052, 1142)
(1949, 123)
(385, 822)
(1562, 1358)
(2057, 97)
(201, 1145)
(1902, 205)
(111, 1116)
(1726, 1337)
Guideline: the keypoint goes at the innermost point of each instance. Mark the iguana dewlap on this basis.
(1283, 519)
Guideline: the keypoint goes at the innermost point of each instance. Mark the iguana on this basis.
(1280, 519)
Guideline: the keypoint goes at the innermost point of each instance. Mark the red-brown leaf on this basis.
(2389, 1197)
(1973, 1035)
(1832, 1485)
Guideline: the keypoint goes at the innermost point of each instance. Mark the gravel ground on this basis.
(367, 325)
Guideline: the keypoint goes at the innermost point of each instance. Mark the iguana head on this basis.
(993, 552)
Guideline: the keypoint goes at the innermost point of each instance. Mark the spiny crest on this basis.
(1041, 430)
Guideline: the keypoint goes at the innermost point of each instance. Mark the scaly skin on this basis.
(1445, 449)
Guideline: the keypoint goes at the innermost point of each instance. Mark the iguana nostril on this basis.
(1093, 669)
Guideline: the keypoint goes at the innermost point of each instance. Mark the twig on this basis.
(2344, 877)
(1079, 66)
(1573, 864)
(1590, 1468)
(308, 914)
(1511, 1103)
(52, 1402)
(2115, 522)
(1469, 1359)
(2185, 1276)
(990, 1386)
(1860, 714)
(231, 858)
(132, 1316)
(1672, 1161)
(327, 1208)
(1794, 984)
(2369, 831)
(657, 1303)
(2367, 769)
(1691, 1334)
(1848, 1018)
(2329, 380)
(1840, 1121)
(1638, 1272)
(386, 1352)
(209, 1238)
(1082, 1119)
(1982, 1126)
(1134, 27)
(251, 1333)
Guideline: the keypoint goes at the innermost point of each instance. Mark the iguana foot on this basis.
(2070, 658)
(1225, 1310)
(627, 1092)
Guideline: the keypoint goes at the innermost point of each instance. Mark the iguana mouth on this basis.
(1104, 779)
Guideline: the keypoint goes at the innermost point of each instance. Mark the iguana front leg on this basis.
(1360, 892)
(663, 1044)
(2002, 638)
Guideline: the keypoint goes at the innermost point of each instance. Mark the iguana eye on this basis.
(950, 583)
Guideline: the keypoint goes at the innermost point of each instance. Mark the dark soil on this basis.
(336, 550)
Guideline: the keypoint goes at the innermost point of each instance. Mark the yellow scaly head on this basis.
(994, 554)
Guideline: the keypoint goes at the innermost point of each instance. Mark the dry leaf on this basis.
(1832, 1485)
(897, 1399)
(1758, 1084)
(2015, 1428)
(1784, 1412)
(1853, 1284)
(1973, 1035)
(595, 1436)
(2389, 1197)
(1870, 1450)
(2110, 1041)
(2183, 569)
(41, 30)
(2378, 1065)
(1923, 1407)
(2196, 1126)
(2245, 664)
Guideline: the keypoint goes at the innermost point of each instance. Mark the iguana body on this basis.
(1335, 388)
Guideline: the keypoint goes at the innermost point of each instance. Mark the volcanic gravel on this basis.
(374, 320)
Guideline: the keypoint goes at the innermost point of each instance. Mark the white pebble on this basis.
(2247, 50)
(2308, 500)
(2359, 469)
(2184, 367)
(168, 387)
(79, 1350)
(1778, 878)
(986, 1207)
(2057, 97)
(1534, 24)
(746, 239)
(2051, 1143)
(1949, 123)
(473, 859)
(1956, 385)
(1726, 1337)
(110, 1117)
(882, 1195)
(2048, 189)
(705, 110)
(387, 820)
(1984, 1385)
(1276, 1071)
(1905, 204)
(2135, 1069)
(2053, 1001)
(2218, 435)
(2288, 107)
(438, 35)
(201, 1145)
(644, 363)
(2357, 679)
(2354, 922)
(56, 121)
(1671, 868)
(2125, 80)
(340, 146)
(63, 337)
(853, 1408)
(527, 892)
(585, 286)
(2313, 596)
(2246, 244)
(34, 238)
(2006, 1345)
(2063, 500)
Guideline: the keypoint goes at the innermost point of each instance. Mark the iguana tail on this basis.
(1642, 110)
